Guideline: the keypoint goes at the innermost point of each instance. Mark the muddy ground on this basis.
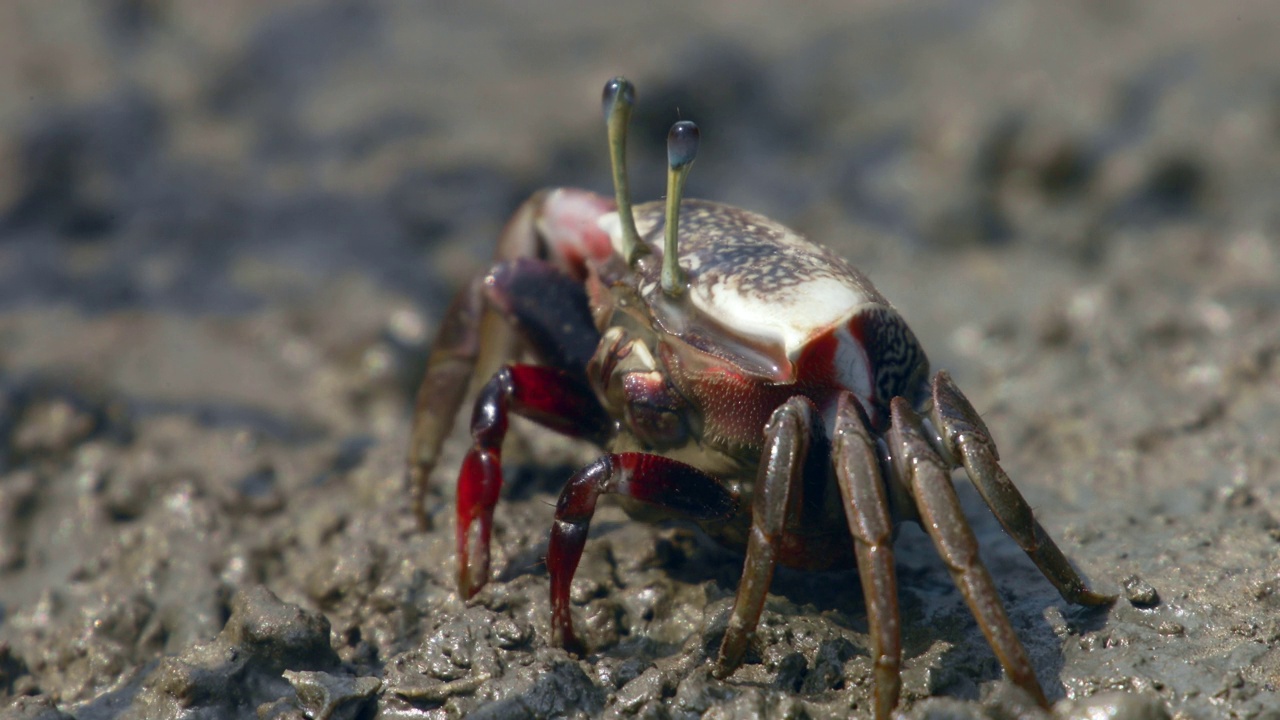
(227, 232)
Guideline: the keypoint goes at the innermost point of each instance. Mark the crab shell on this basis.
(767, 314)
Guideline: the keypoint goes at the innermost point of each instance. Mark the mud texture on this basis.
(228, 231)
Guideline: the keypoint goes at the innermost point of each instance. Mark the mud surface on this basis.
(227, 232)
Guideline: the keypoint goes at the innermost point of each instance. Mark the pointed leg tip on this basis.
(1094, 599)
(568, 640)
(729, 658)
(1041, 699)
(422, 521)
(723, 670)
(1078, 593)
(469, 582)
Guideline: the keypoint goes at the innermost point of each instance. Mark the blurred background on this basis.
(150, 146)
(227, 232)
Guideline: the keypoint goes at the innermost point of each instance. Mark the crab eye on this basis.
(619, 97)
(682, 144)
(618, 90)
(682, 148)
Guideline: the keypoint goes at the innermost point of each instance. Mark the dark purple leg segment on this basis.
(654, 479)
(548, 307)
(549, 397)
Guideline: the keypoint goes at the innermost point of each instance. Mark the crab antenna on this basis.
(682, 148)
(619, 96)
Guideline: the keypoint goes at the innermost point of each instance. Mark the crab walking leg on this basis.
(654, 479)
(451, 367)
(781, 473)
(967, 439)
(474, 340)
(472, 343)
(940, 514)
(867, 509)
(549, 397)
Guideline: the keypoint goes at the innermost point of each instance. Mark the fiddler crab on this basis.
(737, 375)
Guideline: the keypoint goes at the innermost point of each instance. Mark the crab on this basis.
(735, 374)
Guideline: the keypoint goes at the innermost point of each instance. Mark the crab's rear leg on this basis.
(966, 438)
(475, 339)
(866, 505)
(929, 478)
(654, 479)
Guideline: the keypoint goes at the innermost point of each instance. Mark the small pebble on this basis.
(1140, 593)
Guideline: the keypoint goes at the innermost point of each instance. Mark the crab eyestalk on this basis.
(619, 96)
(682, 148)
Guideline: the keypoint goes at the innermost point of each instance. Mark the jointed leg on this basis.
(542, 298)
(472, 343)
(781, 473)
(654, 479)
(940, 514)
(451, 368)
(966, 438)
(548, 396)
(862, 488)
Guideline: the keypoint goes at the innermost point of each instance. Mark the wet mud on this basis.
(228, 232)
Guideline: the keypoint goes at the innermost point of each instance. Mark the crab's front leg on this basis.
(549, 396)
(654, 479)
(532, 297)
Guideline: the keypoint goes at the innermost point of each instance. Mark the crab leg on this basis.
(654, 479)
(450, 369)
(549, 397)
(867, 509)
(472, 343)
(543, 298)
(781, 474)
(930, 480)
(966, 438)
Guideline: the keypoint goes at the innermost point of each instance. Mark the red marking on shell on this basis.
(816, 365)
(857, 331)
(570, 223)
